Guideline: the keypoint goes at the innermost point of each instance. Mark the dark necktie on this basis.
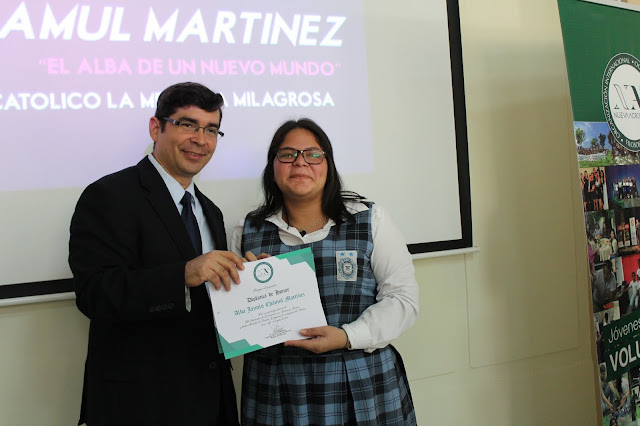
(191, 223)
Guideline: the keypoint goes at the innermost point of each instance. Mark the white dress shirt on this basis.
(396, 307)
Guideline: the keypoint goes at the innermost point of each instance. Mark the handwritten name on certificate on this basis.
(276, 298)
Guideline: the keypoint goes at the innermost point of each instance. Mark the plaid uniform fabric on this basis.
(291, 386)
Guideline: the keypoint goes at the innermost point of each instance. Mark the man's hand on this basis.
(217, 267)
(322, 339)
(250, 257)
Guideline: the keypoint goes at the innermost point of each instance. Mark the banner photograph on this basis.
(602, 50)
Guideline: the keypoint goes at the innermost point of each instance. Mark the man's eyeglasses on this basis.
(189, 127)
(311, 156)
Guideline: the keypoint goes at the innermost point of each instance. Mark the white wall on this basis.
(504, 336)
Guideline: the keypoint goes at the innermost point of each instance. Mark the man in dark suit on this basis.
(138, 275)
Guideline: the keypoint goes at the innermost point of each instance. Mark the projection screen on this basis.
(79, 81)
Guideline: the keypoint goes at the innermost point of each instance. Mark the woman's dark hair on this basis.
(333, 197)
(187, 94)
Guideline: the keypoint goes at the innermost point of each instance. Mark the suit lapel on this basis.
(161, 201)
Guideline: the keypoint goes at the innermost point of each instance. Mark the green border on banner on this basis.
(593, 33)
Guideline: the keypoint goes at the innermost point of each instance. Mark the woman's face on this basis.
(300, 181)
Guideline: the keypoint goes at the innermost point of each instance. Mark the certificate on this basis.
(276, 298)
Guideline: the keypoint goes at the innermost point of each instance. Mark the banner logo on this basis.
(621, 99)
(263, 272)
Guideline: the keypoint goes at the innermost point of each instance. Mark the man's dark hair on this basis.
(333, 197)
(187, 94)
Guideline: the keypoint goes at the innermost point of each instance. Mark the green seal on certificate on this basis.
(263, 272)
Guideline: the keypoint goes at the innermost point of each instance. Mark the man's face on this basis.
(180, 152)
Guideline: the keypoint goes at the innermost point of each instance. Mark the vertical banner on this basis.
(602, 49)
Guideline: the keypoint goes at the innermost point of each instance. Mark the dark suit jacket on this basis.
(149, 361)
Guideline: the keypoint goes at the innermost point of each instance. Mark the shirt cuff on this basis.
(359, 335)
(187, 299)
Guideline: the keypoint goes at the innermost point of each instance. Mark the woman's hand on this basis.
(321, 339)
(250, 257)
